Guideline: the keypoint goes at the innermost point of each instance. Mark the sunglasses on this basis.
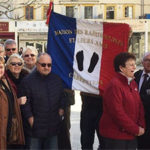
(147, 60)
(9, 49)
(27, 55)
(44, 64)
(15, 64)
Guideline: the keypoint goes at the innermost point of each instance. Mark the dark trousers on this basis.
(144, 141)
(89, 123)
(64, 134)
(44, 143)
(119, 144)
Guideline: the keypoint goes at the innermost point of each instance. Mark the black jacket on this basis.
(145, 97)
(44, 98)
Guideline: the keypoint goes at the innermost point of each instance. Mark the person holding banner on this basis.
(90, 115)
(123, 114)
(142, 77)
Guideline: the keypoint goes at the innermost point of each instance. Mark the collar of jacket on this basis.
(124, 78)
(41, 75)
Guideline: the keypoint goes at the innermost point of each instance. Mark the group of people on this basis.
(32, 101)
(35, 108)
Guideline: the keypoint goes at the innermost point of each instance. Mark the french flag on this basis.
(82, 51)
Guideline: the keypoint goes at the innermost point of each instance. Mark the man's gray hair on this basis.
(9, 42)
(42, 54)
(145, 55)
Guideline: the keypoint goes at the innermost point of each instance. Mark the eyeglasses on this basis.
(16, 63)
(9, 49)
(44, 64)
(27, 55)
(147, 60)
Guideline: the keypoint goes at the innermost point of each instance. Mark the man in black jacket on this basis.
(45, 105)
(142, 78)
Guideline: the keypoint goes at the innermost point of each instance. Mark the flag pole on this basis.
(49, 11)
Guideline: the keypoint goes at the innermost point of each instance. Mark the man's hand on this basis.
(22, 100)
(141, 131)
(31, 121)
(61, 112)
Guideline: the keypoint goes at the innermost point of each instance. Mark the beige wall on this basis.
(99, 6)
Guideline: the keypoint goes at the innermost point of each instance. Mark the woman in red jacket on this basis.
(123, 114)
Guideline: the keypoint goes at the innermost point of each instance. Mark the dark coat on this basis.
(123, 111)
(44, 99)
(4, 118)
(14, 81)
(145, 98)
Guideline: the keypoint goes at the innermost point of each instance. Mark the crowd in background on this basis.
(35, 108)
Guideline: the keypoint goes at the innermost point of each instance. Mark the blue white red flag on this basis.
(83, 51)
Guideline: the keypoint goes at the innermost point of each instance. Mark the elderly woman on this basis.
(11, 130)
(123, 114)
(30, 57)
(15, 70)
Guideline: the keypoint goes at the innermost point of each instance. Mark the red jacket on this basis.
(123, 111)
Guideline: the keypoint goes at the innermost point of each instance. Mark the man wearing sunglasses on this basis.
(10, 48)
(45, 104)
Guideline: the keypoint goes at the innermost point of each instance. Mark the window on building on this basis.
(110, 12)
(29, 12)
(88, 12)
(129, 12)
(45, 9)
(70, 11)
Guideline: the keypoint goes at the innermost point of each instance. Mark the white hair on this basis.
(14, 56)
(33, 50)
(145, 55)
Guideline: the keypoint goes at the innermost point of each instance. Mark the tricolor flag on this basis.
(83, 51)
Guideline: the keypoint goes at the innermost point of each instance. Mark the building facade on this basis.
(133, 12)
(29, 16)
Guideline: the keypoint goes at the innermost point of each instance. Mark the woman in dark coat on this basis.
(15, 71)
(11, 130)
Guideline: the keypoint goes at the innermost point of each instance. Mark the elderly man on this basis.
(142, 78)
(45, 104)
(10, 48)
(2, 52)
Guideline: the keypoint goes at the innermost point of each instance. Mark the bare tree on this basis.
(7, 7)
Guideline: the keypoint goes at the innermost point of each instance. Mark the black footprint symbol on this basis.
(93, 62)
(80, 57)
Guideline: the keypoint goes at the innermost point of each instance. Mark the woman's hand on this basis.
(22, 100)
(141, 131)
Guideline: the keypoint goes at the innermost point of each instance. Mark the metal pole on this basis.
(16, 33)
